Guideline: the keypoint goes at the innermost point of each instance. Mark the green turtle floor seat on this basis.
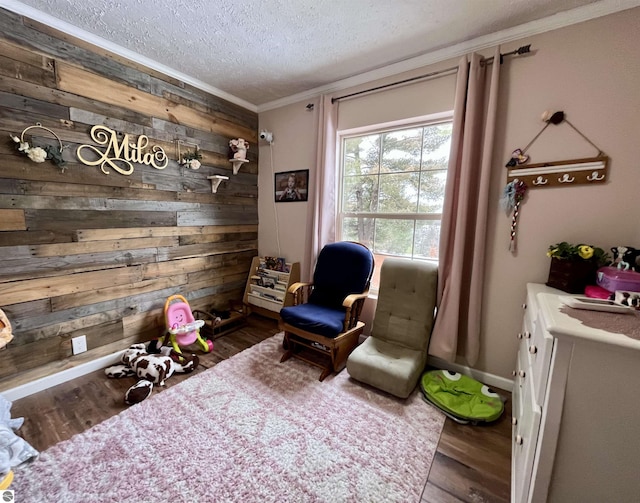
(461, 397)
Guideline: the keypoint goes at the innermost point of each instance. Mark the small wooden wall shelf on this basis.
(562, 173)
(215, 182)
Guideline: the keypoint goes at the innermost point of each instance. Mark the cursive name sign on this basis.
(120, 155)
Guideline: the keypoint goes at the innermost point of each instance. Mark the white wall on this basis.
(282, 229)
(591, 72)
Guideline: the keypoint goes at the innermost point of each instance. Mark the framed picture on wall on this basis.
(291, 186)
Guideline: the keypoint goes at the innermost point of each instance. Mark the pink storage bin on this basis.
(612, 279)
(596, 292)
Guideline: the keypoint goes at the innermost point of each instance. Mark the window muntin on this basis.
(392, 189)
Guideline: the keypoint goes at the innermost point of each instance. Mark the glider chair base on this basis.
(329, 354)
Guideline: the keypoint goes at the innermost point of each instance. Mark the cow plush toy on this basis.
(150, 369)
(624, 257)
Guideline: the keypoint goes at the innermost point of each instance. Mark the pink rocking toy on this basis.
(182, 328)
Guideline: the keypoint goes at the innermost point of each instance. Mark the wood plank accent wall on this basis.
(94, 254)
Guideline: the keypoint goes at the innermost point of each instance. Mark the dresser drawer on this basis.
(539, 347)
(526, 425)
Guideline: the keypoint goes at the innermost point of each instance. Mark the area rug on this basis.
(250, 429)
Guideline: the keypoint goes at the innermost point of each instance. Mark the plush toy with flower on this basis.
(238, 149)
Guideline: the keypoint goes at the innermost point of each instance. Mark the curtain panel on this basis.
(464, 217)
(325, 186)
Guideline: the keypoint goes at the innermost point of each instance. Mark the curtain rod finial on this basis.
(524, 49)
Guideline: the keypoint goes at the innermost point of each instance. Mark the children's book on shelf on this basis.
(267, 284)
(271, 279)
(276, 264)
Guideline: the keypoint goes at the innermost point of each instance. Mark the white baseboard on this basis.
(484, 377)
(43, 383)
(478, 375)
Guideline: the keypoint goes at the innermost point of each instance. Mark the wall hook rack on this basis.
(562, 173)
(558, 173)
(216, 180)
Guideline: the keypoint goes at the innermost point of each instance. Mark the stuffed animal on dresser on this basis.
(625, 257)
(150, 369)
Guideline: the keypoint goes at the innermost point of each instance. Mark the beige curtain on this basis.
(324, 189)
(464, 218)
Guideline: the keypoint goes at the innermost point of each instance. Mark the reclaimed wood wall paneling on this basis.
(92, 254)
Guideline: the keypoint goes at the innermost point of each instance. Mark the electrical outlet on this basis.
(79, 344)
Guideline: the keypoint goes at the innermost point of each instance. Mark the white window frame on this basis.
(421, 121)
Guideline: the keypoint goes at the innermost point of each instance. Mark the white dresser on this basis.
(576, 408)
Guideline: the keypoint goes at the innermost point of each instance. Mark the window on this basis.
(392, 188)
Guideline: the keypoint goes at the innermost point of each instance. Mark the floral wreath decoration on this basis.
(191, 159)
(40, 154)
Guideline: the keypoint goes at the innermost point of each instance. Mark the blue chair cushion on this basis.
(342, 268)
(313, 318)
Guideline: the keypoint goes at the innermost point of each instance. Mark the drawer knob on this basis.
(520, 336)
(527, 335)
(524, 306)
(513, 373)
(522, 373)
(514, 421)
(533, 350)
(519, 439)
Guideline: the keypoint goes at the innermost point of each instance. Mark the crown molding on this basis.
(559, 20)
(63, 26)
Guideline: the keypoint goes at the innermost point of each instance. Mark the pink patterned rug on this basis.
(248, 429)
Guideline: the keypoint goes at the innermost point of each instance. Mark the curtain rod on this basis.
(520, 50)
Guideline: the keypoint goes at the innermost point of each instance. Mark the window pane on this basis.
(432, 185)
(360, 194)
(361, 155)
(427, 239)
(399, 193)
(360, 230)
(402, 150)
(398, 176)
(436, 146)
(394, 237)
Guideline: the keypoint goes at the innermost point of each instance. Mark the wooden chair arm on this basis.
(296, 286)
(350, 299)
(298, 293)
(353, 304)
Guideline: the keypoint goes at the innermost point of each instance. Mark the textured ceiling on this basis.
(261, 51)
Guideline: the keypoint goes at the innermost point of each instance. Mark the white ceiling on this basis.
(259, 52)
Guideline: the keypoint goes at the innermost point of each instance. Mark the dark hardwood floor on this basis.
(472, 463)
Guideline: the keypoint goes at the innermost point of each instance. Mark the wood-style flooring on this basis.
(472, 463)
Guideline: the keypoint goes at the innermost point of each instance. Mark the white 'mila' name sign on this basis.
(120, 156)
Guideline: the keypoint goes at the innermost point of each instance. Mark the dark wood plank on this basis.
(29, 73)
(473, 462)
(20, 269)
(12, 103)
(68, 220)
(17, 86)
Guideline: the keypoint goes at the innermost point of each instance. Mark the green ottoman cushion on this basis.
(461, 396)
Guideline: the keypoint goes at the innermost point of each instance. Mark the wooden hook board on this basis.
(562, 173)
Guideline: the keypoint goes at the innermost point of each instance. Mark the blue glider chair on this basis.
(322, 326)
